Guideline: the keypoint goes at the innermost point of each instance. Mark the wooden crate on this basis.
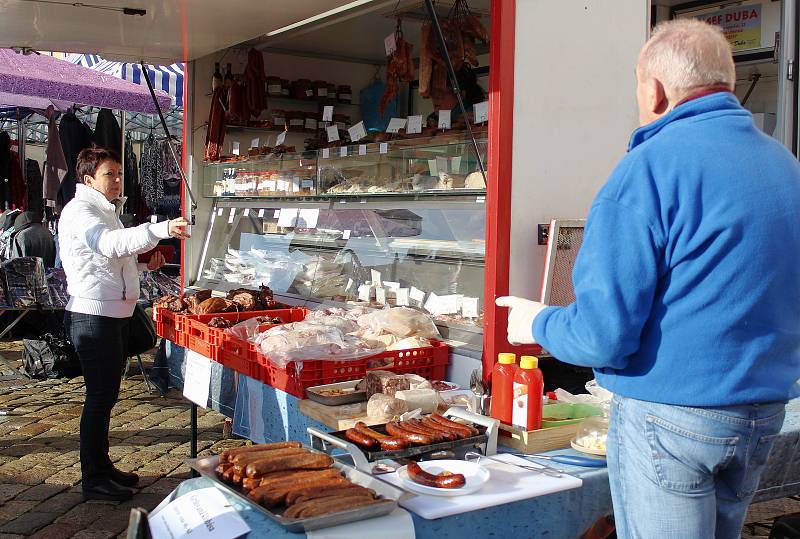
(536, 441)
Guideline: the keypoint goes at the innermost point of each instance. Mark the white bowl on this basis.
(474, 474)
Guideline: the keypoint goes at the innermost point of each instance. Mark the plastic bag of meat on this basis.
(302, 341)
(401, 322)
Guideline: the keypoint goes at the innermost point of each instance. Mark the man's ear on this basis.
(658, 102)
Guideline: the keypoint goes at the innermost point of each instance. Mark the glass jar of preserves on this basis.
(274, 86)
(311, 121)
(344, 94)
(320, 89)
(342, 121)
(285, 88)
(278, 118)
(296, 120)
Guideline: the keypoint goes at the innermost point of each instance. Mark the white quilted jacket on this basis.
(99, 254)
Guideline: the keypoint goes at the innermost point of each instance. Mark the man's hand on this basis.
(521, 314)
(177, 228)
(156, 261)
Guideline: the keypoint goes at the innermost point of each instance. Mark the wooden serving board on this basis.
(336, 417)
(536, 441)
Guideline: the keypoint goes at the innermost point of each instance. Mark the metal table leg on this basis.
(193, 434)
(8, 328)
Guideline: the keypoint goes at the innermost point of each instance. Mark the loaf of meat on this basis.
(170, 303)
(215, 305)
(385, 382)
(219, 322)
(266, 296)
(247, 300)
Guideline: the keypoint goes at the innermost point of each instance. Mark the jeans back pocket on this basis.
(755, 465)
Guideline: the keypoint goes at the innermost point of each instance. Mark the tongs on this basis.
(472, 456)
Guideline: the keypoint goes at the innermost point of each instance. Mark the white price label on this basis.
(384, 148)
(333, 133)
(197, 378)
(364, 292)
(403, 297)
(376, 277)
(246, 212)
(231, 215)
(417, 295)
(455, 165)
(362, 149)
(307, 184)
(296, 184)
(414, 125)
(395, 125)
(261, 213)
(380, 295)
(392, 286)
(390, 44)
(235, 147)
(281, 138)
(357, 132)
(327, 113)
(442, 164)
(481, 112)
(343, 151)
(469, 307)
(308, 218)
(345, 234)
(288, 217)
(276, 214)
(326, 153)
(433, 168)
(445, 119)
(254, 143)
(200, 514)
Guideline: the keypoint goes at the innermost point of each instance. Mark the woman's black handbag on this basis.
(142, 333)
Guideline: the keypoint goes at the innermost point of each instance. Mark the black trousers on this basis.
(102, 346)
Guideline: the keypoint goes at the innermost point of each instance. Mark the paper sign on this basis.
(417, 295)
(357, 132)
(201, 514)
(384, 148)
(395, 125)
(414, 125)
(444, 119)
(231, 215)
(333, 133)
(376, 277)
(260, 213)
(432, 304)
(362, 149)
(469, 307)
(246, 212)
(433, 169)
(197, 378)
(288, 217)
(393, 287)
(449, 304)
(390, 44)
(343, 151)
(281, 138)
(402, 297)
(380, 295)
(345, 234)
(481, 112)
(307, 184)
(455, 165)
(442, 164)
(219, 214)
(276, 214)
(283, 186)
(364, 292)
(327, 113)
(235, 148)
(254, 142)
(326, 153)
(308, 218)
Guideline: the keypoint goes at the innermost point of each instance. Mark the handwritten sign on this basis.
(201, 514)
(395, 125)
(333, 133)
(414, 125)
(357, 132)
(481, 112)
(444, 119)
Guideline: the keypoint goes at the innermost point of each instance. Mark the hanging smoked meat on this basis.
(399, 67)
(256, 83)
(215, 130)
(425, 61)
(237, 104)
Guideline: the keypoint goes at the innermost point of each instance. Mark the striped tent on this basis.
(167, 78)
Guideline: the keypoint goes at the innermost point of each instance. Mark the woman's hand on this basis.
(156, 261)
(177, 228)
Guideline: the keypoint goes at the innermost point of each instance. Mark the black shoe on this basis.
(107, 490)
(126, 479)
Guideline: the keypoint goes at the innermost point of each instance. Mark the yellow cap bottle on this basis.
(528, 362)
(507, 358)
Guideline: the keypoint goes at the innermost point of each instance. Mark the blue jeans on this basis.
(683, 472)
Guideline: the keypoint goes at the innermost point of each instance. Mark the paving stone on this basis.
(9, 491)
(67, 476)
(94, 534)
(32, 430)
(18, 450)
(85, 513)
(11, 536)
(61, 530)
(163, 486)
(114, 522)
(19, 421)
(40, 492)
(62, 502)
(35, 475)
(13, 509)
(28, 523)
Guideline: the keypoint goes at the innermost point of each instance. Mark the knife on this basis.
(574, 460)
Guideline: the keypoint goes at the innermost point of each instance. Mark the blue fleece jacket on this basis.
(687, 284)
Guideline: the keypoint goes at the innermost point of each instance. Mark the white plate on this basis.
(583, 449)
(475, 475)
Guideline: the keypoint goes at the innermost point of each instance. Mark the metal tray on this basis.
(205, 467)
(337, 400)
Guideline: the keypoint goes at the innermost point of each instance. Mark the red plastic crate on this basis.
(296, 377)
(169, 325)
(239, 355)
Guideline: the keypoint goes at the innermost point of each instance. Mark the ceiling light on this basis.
(321, 16)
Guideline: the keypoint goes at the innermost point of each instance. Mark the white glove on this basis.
(521, 315)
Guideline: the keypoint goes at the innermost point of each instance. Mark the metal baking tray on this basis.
(314, 393)
(205, 467)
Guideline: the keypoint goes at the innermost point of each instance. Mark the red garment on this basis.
(215, 130)
(256, 83)
(19, 191)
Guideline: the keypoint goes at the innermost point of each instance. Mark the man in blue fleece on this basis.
(687, 295)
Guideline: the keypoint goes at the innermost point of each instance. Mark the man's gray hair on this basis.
(687, 55)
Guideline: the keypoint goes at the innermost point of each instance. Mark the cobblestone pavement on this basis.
(40, 493)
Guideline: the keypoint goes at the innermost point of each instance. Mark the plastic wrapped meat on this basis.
(308, 341)
(26, 282)
(399, 321)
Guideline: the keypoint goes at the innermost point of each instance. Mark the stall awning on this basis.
(166, 78)
(26, 76)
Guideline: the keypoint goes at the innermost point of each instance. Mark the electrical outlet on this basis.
(542, 233)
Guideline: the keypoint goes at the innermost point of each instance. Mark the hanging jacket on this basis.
(131, 177)
(33, 179)
(107, 133)
(99, 255)
(5, 170)
(75, 136)
(149, 170)
(55, 167)
(31, 238)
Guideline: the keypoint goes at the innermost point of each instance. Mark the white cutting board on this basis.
(507, 483)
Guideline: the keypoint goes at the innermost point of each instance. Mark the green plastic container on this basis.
(563, 413)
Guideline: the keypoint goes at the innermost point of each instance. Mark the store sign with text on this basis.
(741, 25)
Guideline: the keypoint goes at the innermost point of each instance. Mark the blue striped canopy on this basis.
(167, 78)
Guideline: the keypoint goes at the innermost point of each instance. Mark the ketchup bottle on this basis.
(527, 394)
(503, 386)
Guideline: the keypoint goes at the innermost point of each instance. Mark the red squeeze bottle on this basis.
(503, 386)
(527, 398)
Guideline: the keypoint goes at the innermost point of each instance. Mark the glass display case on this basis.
(395, 250)
(261, 176)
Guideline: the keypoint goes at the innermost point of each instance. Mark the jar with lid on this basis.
(285, 88)
(311, 121)
(278, 117)
(344, 93)
(274, 86)
(320, 89)
(332, 93)
(301, 89)
(296, 120)
(342, 121)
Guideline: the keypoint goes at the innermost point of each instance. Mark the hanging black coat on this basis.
(75, 136)
(33, 177)
(107, 133)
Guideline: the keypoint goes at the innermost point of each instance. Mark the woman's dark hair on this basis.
(90, 158)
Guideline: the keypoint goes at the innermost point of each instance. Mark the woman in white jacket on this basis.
(99, 259)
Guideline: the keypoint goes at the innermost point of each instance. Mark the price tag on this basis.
(432, 304)
(281, 138)
(442, 164)
(288, 217)
(308, 218)
(219, 214)
(414, 125)
(357, 132)
(283, 185)
(231, 215)
(362, 149)
(345, 234)
(235, 147)
(350, 283)
(197, 378)
(276, 214)
(364, 292)
(395, 125)
(455, 165)
(402, 297)
(255, 142)
(296, 184)
(271, 185)
(327, 113)
(444, 119)
(307, 184)
(417, 295)
(392, 286)
(390, 44)
(246, 212)
(380, 295)
(260, 213)
(384, 147)
(343, 151)
(433, 168)
(469, 307)
(481, 112)
(326, 153)
(376, 277)
(333, 133)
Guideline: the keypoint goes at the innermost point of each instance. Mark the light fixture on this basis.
(321, 16)
(123, 10)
